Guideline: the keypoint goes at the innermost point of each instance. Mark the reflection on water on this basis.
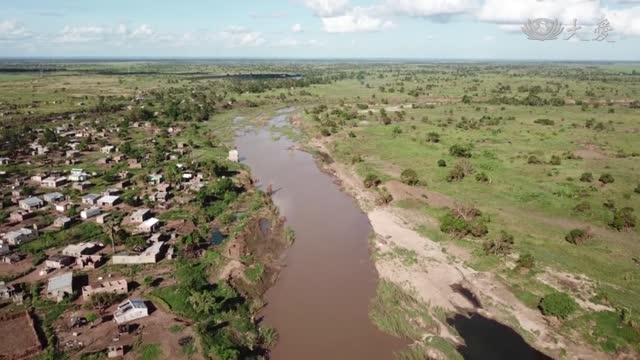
(488, 339)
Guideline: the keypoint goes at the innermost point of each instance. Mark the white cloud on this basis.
(236, 36)
(517, 12)
(296, 28)
(428, 8)
(624, 21)
(118, 34)
(354, 22)
(489, 38)
(11, 30)
(290, 42)
(328, 8)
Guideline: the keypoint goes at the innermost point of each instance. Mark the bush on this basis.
(533, 160)
(583, 207)
(623, 219)
(352, 134)
(433, 137)
(555, 160)
(460, 151)
(526, 261)
(456, 174)
(463, 221)
(482, 177)
(578, 236)
(586, 177)
(546, 122)
(372, 180)
(558, 304)
(606, 179)
(384, 197)
(501, 246)
(325, 132)
(409, 177)
(637, 189)
(442, 163)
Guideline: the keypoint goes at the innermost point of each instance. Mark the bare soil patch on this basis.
(19, 339)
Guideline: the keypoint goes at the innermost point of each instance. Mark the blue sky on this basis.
(426, 29)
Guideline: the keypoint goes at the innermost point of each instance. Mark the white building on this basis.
(18, 237)
(108, 200)
(53, 197)
(53, 182)
(59, 286)
(150, 255)
(89, 213)
(31, 204)
(150, 225)
(130, 310)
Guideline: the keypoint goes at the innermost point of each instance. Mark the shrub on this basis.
(442, 163)
(534, 160)
(384, 197)
(637, 189)
(456, 174)
(482, 177)
(555, 160)
(433, 137)
(558, 304)
(409, 177)
(606, 179)
(623, 219)
(460, 170)
(460, 151)
(578, 236)
(501, 246)
(526, 261)
(546, 122)
(352, 134)
(582, 207)
(325, 132)
(462, 221)
(372, 180)
(586, 177)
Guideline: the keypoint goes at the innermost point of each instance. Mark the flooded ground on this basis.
(320, 303)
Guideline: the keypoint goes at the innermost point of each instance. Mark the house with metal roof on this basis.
(31, 204)
(130, 310)
(59, 286)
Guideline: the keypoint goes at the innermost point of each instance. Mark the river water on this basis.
(320, 303)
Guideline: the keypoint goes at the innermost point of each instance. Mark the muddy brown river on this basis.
(320, 303)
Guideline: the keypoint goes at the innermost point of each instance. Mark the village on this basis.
(78, 237)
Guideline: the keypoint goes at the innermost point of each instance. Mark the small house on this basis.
(109, 287)
(130, 310)
(31, 204)
(53, 197)
(160, 197)
(89, 213)
(150, 255)
(115, 351)
(103, 218)
(108, 149)
(83, 248)
(150, 225)
(63, 206)
(108, 201)
(21, 236)
(140, 215)
(60, 286)
(154, 179)
(20, 215)
(81, 186)
(58, 261)
(77, 175)
(5, 161)
(134, 164)
(53, 182)
(90, 199)
(90, 261)
(62, 222)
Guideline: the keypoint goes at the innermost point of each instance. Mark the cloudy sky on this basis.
(425, 29)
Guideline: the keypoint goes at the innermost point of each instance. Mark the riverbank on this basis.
(437, 276)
